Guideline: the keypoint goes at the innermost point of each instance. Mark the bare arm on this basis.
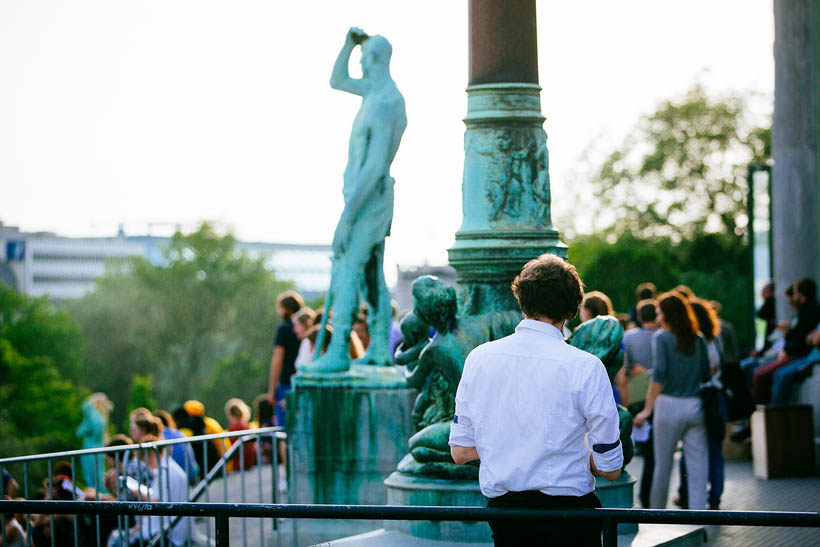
(608, 475)
(463, 454)
(651, 394)
(340, 78)
(276, 362)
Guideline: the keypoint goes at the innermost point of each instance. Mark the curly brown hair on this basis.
(680, 319)
(548, 287)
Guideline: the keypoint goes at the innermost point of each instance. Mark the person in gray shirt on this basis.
(633, 380)
(678, 359)
(638, 341)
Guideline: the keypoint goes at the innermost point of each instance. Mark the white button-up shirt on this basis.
(534, 407)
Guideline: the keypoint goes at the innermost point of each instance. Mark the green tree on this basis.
(141, 393)
(35, 328)
(670, 206)
(206, 304)
(224, 382)
(39, 405)
(682, 170)
(714, 266)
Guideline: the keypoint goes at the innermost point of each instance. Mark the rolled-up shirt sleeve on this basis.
(601, 416)
(462, 432)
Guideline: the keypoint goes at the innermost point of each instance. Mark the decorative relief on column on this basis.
(514, 164)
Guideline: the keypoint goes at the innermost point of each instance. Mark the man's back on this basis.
(531, 399)
(638, 347)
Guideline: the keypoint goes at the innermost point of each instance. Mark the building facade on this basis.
(61, 268)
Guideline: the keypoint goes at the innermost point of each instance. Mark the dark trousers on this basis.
(561, 532)
(648, 454)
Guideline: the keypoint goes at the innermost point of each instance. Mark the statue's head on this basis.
(602, 337)
(376, 52)
(413, 330)
(435, 303)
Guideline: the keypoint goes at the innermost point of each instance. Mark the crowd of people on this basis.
(143, 474)
(674, 344)
(166, 474)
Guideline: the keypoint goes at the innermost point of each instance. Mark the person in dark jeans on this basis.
(283, 361)
(808, 317)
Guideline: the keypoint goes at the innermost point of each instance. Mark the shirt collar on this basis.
(540, 326)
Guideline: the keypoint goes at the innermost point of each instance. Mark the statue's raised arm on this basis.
(340, 78)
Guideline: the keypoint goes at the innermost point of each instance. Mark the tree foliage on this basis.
(682, 171)
(40, 350)
(714, 266)
(205, 304)
(670, 204)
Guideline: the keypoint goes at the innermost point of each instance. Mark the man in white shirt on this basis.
(539, 414)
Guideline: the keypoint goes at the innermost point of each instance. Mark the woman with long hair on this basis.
(709, 326)
(680, 361)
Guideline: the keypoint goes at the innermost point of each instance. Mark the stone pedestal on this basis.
(403, 489)
(347, 432)
(618, 494)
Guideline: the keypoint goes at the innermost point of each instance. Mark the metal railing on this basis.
(234, 448)
(610, 518)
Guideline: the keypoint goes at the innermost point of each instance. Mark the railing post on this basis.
(610, 532)
(222, 530)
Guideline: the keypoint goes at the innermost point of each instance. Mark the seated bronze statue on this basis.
(437, 370)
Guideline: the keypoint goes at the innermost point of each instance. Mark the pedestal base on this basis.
(347, 432)
(618, 494)
(405, 489)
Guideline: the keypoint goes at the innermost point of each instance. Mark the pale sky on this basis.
(177, 111)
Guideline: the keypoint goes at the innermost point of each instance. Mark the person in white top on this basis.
(539, 414)
(302, 323)
(169, 484)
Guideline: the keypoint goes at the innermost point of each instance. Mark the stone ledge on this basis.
(357, 377)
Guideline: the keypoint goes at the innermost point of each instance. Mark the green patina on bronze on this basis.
(602, 337)
(506, 195)
(358, 243)
(347, 434)
(437, 371)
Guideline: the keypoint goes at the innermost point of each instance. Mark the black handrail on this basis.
(223, 511)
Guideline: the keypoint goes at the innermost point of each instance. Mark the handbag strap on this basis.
(705, 373)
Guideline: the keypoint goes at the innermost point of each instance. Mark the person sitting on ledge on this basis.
(808, 317)
(526, 405)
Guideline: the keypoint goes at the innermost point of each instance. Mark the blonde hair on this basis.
(237, 408)
(140, 413)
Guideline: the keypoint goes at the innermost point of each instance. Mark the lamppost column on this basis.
(506, 184)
